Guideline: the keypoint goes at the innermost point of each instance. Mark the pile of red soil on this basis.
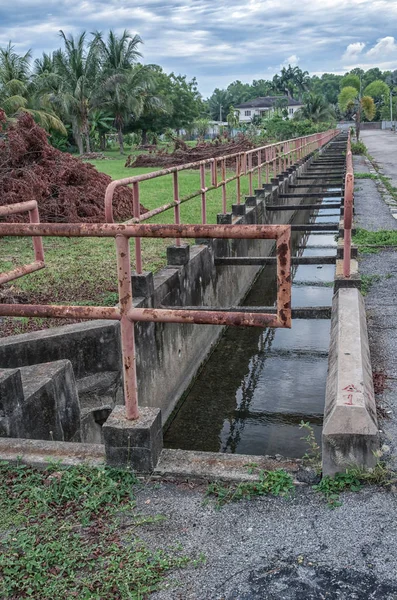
(183, 154)
(65, 188)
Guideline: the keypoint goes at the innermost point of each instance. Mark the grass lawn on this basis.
(75, 533)
(83, 271)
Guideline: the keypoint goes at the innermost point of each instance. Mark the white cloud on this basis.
(352, 51)
(292, 60)
(384, 47)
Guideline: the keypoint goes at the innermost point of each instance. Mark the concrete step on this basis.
(45, 405)
(316, 206)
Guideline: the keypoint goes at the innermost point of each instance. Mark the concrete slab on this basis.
(350, 432)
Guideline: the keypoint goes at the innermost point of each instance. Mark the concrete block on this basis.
(51, 409)
(142, 284)
(251, 200)
(350, 432)
(238, 210)
(178, 255)
(134, 444)
(354, 281)
(11, 392)
(340, 247)
(91, 347)
(224, 218)
(268, 187)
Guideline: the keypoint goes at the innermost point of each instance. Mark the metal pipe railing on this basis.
(19, 208)
(125, 311)
(271, 159)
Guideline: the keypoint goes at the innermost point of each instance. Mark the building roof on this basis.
(268, 102)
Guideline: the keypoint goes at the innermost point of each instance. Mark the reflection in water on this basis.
(259, 384)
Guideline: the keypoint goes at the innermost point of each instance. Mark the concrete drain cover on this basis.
(294, 582)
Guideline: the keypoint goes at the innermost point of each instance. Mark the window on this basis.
(291, 111)
(247, 113)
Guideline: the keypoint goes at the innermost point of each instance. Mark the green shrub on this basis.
(359, 148)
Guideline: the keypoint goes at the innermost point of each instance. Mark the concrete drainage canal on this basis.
(60, 389)
(258, 385)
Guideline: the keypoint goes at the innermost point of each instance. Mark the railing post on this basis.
(177, 215)
(136, 207)
(224, 193)
(127, 327)
(203, 195)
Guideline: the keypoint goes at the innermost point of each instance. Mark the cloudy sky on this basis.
(219, 41)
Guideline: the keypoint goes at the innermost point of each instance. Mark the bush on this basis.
(359, 148)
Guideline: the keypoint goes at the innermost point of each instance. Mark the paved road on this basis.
(382, 145)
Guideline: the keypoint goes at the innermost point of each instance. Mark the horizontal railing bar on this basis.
(60, 312)
(21, 271)
(148, 230)
(304, 312)
(272, 260)
(204, 317)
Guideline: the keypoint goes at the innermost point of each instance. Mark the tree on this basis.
(219, 104)
(126, 96)
(379, 91)
(233, 118)
(18, 94)
(78, 66)
(202, 126)
(118, 53)
(350, 99)
(315, 109)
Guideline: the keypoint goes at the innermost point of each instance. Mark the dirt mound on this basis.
(66, 189)
(182, 155)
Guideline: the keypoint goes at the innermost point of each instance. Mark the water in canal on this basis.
(259, 384)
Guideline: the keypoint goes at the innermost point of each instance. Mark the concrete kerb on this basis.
(350, 432)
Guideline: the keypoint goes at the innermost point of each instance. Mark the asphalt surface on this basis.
(382, 146)
(298, 548)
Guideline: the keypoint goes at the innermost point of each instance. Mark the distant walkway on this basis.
(382, 146)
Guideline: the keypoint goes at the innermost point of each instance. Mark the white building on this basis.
(260, 107)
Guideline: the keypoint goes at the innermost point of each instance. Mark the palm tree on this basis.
(233, 118)
(18, 93)
(127, 95)
(350, 99)
(78, 67)
(118, 54)
(315, 109)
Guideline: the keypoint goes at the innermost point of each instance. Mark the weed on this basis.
(365, 176)
(358, 148)
(275, 483)
(313, 454)
(331, 487)
(61, 536)
(367, 281)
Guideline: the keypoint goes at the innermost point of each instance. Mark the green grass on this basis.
(373, 240)
(275, 483)
(74, 533)
(83, 271)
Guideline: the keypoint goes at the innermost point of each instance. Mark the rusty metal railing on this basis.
(270, 160)
(20, 208)
(125, 311)
(348, 210)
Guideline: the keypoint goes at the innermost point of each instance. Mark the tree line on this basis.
(97, 84)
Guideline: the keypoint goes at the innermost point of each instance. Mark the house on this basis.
(261, 106)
